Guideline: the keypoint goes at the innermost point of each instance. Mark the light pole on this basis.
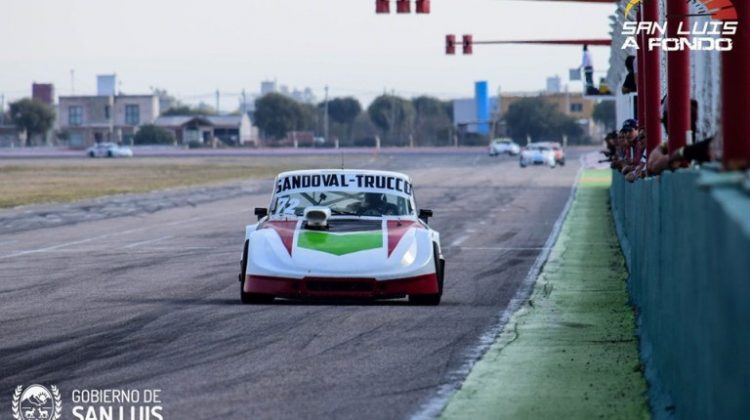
(325, 117)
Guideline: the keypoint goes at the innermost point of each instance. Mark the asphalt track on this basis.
(149, 299)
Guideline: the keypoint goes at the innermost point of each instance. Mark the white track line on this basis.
(434, 406)
(150, 241)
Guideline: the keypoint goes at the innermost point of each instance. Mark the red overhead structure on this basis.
(652, 79)
(735, 93)
(423, 6)
(468, 44)
(678, 78)
(403, 6)
(450, 44)
(382, 6)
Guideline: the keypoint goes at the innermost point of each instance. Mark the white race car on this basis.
(537, 154)
(111, 150)
(504, 146)
(342, 233)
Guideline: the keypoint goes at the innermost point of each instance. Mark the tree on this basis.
(394, 116)
(541, 120)
(433, 121)
(276, 115)
(32, 116)
(180, 109)
(604, 113)
(151, 134)
(344, 111)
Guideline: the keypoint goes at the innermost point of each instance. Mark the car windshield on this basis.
(346, 203)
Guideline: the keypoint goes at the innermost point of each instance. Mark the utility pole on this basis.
(2, 108)
(325, 118)
(244, 102)
(218, 103)
(72, 81)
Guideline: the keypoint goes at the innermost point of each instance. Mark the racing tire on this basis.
(434, 299)
(561, 163)
(523, 165)
(110, 155)
(92, 154)
(250, 298)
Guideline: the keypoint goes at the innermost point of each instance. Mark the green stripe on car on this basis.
(340, 244)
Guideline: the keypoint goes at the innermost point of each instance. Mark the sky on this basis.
(193, 48)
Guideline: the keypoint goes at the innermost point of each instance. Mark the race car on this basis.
(537, 154)
(558, 151)
(110, 150)
(342, 234)
(504, 146)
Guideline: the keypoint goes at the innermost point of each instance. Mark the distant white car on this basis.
(111, 150)
(504, 146)
(537, 154)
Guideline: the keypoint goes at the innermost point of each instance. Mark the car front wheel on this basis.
(434, 299)
(250, 298)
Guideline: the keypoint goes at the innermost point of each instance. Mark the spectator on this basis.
(693, 117)
(660, 159)
(629, 86)
(587, 64)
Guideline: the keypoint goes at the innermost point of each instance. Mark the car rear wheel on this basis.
(434, 299)
(249, 298)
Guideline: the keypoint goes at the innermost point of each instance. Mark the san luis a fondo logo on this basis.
(36, 402)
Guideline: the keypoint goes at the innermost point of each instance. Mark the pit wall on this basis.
(687, 249)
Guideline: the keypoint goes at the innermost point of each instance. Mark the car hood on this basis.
(373, 248)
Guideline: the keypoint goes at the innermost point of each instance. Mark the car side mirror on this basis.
(424, 215)
(261, 212)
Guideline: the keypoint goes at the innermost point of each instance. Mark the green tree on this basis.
(344, 111)
(180, 109)
(394, 116)
(276, 115)
(541, 120)
(33, 117)
(604, 113)
(151, 134)
(433, 121)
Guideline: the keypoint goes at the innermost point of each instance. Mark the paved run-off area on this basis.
(571, 352)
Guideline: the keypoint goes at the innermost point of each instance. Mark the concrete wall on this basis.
(688, 254)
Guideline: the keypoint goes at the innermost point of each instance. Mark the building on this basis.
(232, 130)
(105, 84)
(9, 136)
(90, 119)
(43, 92)
(554, 84)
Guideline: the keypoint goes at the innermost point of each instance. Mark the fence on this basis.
(688, 254)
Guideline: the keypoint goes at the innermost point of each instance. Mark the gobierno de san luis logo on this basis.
(699, 35)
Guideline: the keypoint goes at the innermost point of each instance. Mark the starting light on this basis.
(450, 44)
(468, 44)
(403, 6)
(423, 6)
(382, 6)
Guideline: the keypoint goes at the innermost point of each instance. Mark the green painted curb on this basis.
(571, 352)
(340, 243)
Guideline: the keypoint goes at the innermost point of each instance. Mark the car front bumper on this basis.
(355, 287)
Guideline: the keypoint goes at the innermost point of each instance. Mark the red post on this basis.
(640, 78)
(735, 93)
(652, 99)
(678, 77)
